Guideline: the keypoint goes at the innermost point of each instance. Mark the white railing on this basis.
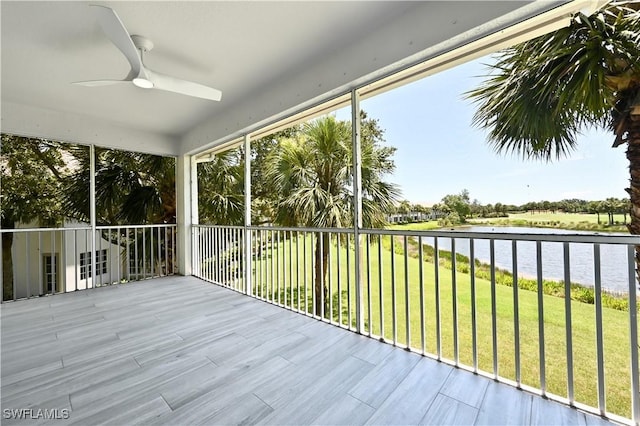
(45, 261)
(523, 323)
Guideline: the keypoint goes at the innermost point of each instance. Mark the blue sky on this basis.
(440, 153)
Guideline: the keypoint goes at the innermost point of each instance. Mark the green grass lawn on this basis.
(576, 221)
(418, 226)
(392, 292)
(567, 217)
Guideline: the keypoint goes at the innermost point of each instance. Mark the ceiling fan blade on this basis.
(95, 83)
(118, 34)
(184, 87)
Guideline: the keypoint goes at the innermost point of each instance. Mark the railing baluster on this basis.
(135, 251)
(423, 340)
(330, 280)
(369, 306)
(278, 248)
(272, 270)
(393, 294)
(144, 255)
(543, 383)
(159, 253)
(119, 262)
(348, 248)
(407, 301)
(166, 249)
(54, 262)
(195, 255)
(633, 336)
(381, 286)
(291, 304)
(298, 268)
(151, 263)
(516, 311)
(209, 245)
(323, 300)
(494, 313)
(436, 261)
(454, 301)
(339, 280)
(304, 271)
(26, 267)
(474, 314)
(567, 320)
(224, 254)
(89, 272)
(76, 278)
(313, 274)
(599, 328)
(218, 256)
(211, 259)
(40, 267)
(174, 231)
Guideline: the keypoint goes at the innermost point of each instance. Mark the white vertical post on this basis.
(357, 204)
(92, 211)
(247, 214)
(195, 257)
(186, 213)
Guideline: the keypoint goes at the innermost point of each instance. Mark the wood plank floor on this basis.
(177, 350)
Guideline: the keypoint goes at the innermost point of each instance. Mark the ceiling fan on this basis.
(133, 47)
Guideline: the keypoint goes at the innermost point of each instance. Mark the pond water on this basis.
(613, 258)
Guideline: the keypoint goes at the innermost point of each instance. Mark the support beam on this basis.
(357, 205)
(187, 209)
(92, 213)
(247, 214)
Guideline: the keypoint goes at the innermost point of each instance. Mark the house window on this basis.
(50, 265)
(85, 264)
(101, 261)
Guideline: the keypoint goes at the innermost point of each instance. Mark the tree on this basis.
(459, 204)
(221, 189)
(313, 174)
(131, 188)
(542, 92)
(30, 172)
(595, 207)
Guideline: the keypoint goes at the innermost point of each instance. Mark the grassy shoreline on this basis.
(504, 277)
(568, 221)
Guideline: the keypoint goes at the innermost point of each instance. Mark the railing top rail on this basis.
(510, 236)
(85, 228)
(203, 225)
(156, 225)
(507, 236)
(17, 230)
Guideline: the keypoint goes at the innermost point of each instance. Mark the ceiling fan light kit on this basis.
(133, 47)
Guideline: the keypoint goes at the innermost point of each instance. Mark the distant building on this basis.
(60, 260)
(414, 217)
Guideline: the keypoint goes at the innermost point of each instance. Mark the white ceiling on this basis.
(266, 57)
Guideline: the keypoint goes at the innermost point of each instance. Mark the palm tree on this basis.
(221, 188)
(541, 93)
(131, 188)
(313, 174)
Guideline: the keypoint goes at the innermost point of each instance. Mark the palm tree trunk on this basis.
(7, 266)
(633, 155)
(320, 279)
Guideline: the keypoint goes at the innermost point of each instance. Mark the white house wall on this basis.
(29, 248)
